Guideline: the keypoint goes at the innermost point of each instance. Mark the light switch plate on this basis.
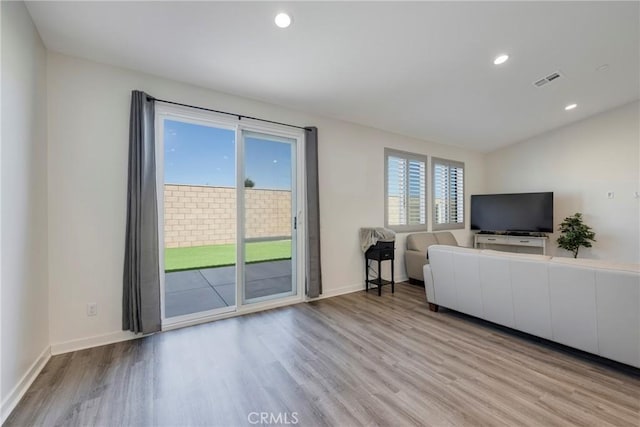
(92, 309)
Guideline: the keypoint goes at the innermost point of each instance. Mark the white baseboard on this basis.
(95, 341)
(13, 398)
(338, 291)
(118, 336)
(347, 290)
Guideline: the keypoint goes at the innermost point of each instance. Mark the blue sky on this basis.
(202, 155)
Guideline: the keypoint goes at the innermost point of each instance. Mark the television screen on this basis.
(531, 212)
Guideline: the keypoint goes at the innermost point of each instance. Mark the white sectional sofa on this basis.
(590, 305)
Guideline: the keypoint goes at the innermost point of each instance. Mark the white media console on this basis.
(482, 240)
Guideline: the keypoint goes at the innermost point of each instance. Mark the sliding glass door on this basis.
(269, 238)
(199, 195)
(228, 197)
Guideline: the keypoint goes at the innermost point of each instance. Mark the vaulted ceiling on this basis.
(422, 69)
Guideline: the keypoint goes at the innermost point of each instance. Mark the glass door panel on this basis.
(269, 220)
(199, 218)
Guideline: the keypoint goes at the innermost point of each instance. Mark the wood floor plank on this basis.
(351, 360)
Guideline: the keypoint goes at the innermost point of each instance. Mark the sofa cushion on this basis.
(597, 263)
(446, 238)
(532, 257)
(420, 241)
(457, 249)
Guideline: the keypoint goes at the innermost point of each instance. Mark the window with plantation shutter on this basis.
(405, 191)
(448, 194)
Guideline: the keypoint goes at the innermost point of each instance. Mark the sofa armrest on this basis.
(414, 261)
(428, 284)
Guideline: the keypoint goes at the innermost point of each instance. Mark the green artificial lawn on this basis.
(178, 259)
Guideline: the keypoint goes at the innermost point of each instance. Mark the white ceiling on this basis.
(419, 69)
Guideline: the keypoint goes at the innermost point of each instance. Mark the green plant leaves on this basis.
(575, 234)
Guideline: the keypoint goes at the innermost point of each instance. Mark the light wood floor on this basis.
(354, 360)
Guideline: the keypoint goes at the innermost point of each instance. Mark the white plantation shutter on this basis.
(448, 194)
(405, 191)
(396, 190)
(416, 199)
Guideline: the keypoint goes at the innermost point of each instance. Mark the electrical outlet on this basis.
(636, 195)
(610, 194)
(92, 309)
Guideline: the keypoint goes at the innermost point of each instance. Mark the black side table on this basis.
(381, 251)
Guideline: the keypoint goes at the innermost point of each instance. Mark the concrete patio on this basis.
(193, 291)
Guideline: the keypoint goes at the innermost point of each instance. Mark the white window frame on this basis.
(448, 225)
(408, 156)
(191, 115)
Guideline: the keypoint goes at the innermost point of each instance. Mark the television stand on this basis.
(481, 240)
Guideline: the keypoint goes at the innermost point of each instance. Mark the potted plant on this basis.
(574, 234)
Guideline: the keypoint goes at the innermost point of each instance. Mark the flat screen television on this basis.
(521, 212)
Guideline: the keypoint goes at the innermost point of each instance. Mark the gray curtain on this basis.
(141, 281)
(314, 273)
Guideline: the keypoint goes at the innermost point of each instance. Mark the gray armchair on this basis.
(415, 256)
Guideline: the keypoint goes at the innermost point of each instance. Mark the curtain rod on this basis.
(239, 116)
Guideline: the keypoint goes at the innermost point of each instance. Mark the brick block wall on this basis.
(200, 215)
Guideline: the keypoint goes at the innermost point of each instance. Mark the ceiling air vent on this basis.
(548, 79)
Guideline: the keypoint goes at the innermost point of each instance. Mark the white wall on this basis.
(25, 312)
(580, 163)
(88, 106)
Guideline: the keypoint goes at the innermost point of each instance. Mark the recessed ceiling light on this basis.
(501, 59)
(283, 20)
(570, 107)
